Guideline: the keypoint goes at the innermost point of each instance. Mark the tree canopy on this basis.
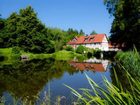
(25, 30)
(126, 23)
(93, 32)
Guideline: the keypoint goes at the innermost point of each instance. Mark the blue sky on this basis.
(78, 14)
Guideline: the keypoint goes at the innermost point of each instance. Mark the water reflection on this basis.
(37, 77)
(91, 64)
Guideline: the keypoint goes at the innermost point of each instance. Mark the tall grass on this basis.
(112, 95)
(130, 61)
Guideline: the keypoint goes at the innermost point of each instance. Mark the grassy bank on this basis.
(11, 55)
(8, 55)
(60, 55)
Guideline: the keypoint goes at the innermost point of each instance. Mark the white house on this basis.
(97, 41)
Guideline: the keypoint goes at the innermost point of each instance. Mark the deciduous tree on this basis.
(126, 23)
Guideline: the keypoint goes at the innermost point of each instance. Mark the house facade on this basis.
(97, 41)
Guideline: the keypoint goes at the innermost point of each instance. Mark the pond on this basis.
(45, 79)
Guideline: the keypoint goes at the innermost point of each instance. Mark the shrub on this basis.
(81, 49)
(16, 53)
(97, 53)
(1, 58)
(16, 50)
(89, 54)
(69, 48)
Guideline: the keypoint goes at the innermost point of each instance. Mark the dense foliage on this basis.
(130, 61)
(81, 49)
(26, 31)
(93, 32)
(69, 48)
(126, 24)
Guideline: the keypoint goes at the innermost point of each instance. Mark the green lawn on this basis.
(36, 56)
(60, 55)
(65, 55)
(7, 53)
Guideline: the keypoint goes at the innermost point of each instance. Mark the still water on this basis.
(43, 80)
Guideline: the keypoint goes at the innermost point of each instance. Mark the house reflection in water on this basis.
(96, 65)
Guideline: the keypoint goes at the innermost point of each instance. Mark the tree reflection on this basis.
(27, 78)
(24, 80)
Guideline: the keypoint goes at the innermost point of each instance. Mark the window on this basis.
(86, 39)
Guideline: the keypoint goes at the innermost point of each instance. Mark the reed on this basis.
(111, 95)
(130, 61)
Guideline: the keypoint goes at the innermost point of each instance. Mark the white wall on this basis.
(102, 46)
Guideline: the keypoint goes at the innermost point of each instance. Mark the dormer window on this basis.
(86, 38)
(91, 38)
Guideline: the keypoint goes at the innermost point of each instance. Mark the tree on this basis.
(93, 32)
(72, 33)
(2, 23)
(3, 36)
(57, 37)
(24, 29)
(125, 26)
(81, 32)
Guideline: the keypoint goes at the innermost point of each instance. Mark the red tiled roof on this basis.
(77, 40)
(97, 38)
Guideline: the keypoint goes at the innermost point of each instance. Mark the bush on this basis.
(69, 48)
(89, 54)
(16, 53)
(1, 58)
(97, 53)
(16, 50)
(81, 49)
